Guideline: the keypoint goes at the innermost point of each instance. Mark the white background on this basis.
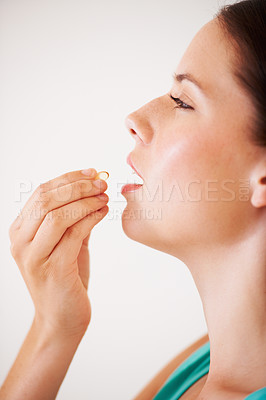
(70, 72)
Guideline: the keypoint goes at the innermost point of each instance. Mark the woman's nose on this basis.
(133, 130)
(139, 127)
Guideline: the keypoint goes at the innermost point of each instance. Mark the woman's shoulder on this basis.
(157, 382)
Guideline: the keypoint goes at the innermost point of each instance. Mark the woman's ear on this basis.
(258, 198)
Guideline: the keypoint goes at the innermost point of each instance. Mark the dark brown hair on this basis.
(244, 24)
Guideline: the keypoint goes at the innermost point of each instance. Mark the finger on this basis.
(15, 226)
(58, 221)
(86, 240)
(69, 177)
(55, 183)
(68, 248)
(83, 261)
(55, 199)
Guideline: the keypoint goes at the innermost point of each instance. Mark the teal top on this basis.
(190, 371)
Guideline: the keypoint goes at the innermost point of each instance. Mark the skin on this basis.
(222, 241)
(49, 242)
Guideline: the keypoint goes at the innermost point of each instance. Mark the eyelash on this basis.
(180, 103)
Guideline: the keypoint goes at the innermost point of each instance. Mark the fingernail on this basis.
(98, 183)
(88, 172)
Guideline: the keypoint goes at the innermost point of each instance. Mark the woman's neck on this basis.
(232, 287)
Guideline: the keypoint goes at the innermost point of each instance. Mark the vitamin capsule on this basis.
(102, 175)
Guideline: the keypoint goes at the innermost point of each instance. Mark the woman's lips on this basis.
(130, 187)
(129, 162)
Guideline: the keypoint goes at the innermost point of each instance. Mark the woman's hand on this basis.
(49, 242)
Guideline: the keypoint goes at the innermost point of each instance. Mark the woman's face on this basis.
(196, 161)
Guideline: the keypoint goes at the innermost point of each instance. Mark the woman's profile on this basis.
(203, 143)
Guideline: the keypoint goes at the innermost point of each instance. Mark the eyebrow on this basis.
(181, 77)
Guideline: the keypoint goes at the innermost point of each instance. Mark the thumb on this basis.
(86, 240)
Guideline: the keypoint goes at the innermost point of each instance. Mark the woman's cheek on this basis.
(177, 163)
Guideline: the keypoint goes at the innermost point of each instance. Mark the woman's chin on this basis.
(132, 223)
(138, 225)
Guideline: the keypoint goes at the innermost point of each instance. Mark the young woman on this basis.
(204, 145)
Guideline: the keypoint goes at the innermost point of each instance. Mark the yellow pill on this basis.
(102, 175)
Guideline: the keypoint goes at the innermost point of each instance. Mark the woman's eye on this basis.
(180, 103)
